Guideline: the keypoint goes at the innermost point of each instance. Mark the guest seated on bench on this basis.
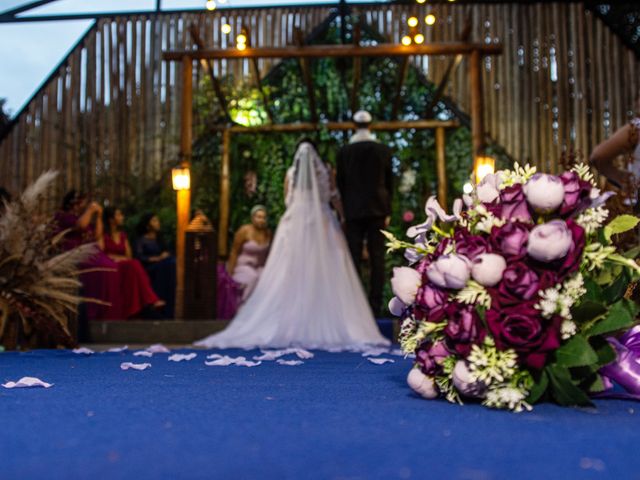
(83, 223)
(135, 289)
(157, 261)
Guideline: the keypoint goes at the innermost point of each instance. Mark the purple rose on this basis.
(464, 328)
(430, 357)
(523, 329)
(465, 383)
(450, 271)
(577, 194)
(549, 241)
(405, 283)
(396, 307)
(572, 261)
(488, 268)
(488, 189)
(510, 240)
(430, 297)
(514, 204)
(544, 192)
(421, 384)
(519, 283)
(469, 245)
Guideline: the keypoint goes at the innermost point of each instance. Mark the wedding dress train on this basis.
(309, 293)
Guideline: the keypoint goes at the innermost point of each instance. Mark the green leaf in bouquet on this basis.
(563, 390)
(620, 224)
(617, 289)
(539, 388)
(620, 315)
(604, 350)
(597, 385)
(587, 311)
(632, 253)
(594, 291)
(577, 352)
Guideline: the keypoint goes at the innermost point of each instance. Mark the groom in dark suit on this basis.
(365, 181)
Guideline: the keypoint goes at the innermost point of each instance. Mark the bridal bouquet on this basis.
(520, 296)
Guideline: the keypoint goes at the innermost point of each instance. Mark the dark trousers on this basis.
(357, 231)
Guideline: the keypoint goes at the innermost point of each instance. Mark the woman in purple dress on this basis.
(249, 251)
(83, 223)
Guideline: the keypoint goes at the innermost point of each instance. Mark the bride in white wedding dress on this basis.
(309, 294)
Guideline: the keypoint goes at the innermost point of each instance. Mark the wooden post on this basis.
(441, 168)
(224, 193)
(184, 196)
(477, 115)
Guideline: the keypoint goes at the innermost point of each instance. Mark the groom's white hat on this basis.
(362, 116)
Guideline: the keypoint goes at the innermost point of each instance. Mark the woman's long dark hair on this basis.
(107, 214)
(71, 199)
(143, 224)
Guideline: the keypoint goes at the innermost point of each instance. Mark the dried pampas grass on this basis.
(38, 284)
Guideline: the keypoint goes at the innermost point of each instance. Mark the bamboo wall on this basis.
(108, 118)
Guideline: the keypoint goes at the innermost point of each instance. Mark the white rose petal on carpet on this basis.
(179, 357)
(134, 366)
(290, 363)
(27, 382)
(380, 361)
(83, 351)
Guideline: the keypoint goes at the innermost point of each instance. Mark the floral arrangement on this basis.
(38, 285)
(518, 296)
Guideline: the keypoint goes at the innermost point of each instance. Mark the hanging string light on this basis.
(210, 5)
(242, 38)
(412, 22)
(421, 1)
(430, 19)
(406, 40)
(418, 38)
(226, 29)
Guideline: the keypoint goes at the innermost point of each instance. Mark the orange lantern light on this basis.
(181, 178)
(484, 166)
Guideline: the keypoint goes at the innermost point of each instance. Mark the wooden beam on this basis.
(338, 126)
(184, 196)
(357, 69)
(208, 67)
(441, 166)
(477, 113)
(223, 223)
(330, 51)
(402, 74)
(308, 78)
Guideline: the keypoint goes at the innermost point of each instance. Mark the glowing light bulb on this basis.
(418, 38)
(406, 40)
(421, 1)
(241, 46)
(467, 188)
(211, 5)
(430, 19)
(412, 21)
(242, 38)
(226, 29)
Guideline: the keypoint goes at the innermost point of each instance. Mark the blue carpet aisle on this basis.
(338, 416)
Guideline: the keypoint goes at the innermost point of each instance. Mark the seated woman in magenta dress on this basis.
(135, 288)
(83, 223)
(249, 251)
(157, 261)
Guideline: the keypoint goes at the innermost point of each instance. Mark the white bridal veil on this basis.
(309, 293)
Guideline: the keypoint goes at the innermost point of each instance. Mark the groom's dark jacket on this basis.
(365, 179)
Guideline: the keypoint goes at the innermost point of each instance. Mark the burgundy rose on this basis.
(523, 329)
(510, 240)
(430, 297)
(423, 264)
(572, 261)
(430, 357)
(442, 246)
(577, 194)
(519, 283)
(514, 204)
(469, 245)
(464, 328)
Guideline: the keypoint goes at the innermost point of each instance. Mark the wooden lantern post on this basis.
(183, 203)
